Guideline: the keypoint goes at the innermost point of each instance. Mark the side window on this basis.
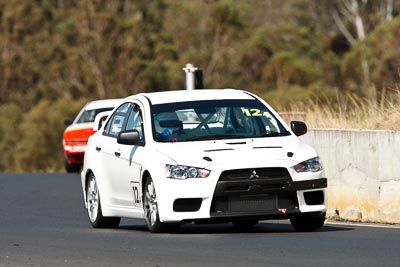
(118, 120)
(135, 121)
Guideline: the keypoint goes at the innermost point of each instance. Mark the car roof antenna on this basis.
(194, 77)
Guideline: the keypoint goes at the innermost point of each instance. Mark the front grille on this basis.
(253, 204)
(260, 173)
(253, 191)
(253, 181)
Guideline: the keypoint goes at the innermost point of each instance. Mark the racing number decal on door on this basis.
(135, 192)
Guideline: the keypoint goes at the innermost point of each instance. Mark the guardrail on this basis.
(363, 170)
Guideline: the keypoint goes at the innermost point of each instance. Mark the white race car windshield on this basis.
(214, 120)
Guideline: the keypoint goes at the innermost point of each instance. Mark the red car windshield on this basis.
(90, 115)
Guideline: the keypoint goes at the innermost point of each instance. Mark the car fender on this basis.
(94, 160)
(154, 165)
(303, 152)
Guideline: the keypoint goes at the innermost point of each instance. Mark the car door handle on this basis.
(98, 149)
(117, 154)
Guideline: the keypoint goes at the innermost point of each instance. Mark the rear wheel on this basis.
(93, 205)
(308, 223)
(150, 207)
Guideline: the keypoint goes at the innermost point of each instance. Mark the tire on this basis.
(245, 223)
(308, 223)
(150, 208)
(93, 204)
(72, 168)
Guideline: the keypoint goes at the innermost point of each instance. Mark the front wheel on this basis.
(308, 223)
(71, 168)
(150, 207)
(93, 205)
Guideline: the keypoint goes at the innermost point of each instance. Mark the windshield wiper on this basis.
(273, 134)
(217, 137)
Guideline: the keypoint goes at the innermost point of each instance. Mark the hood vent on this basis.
(261, 147)
(207, 158)
(221, 149)
(236, 143)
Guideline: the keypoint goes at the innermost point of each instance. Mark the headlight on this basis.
(184, 172)
(311, 165)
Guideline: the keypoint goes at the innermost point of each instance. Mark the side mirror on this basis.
(68, 122)
(298, 127)
(131, 137)
(100, 119)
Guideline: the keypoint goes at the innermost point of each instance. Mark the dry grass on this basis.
(356, 114)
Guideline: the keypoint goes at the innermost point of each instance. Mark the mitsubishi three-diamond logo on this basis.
(254, 175)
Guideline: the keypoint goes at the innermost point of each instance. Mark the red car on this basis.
(78, 131)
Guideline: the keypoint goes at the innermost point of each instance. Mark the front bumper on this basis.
(74, 151)
(74, 158)
(232, 196)
(265, 197)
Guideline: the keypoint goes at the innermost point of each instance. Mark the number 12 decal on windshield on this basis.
(255, 112)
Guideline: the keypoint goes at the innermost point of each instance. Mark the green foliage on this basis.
(40, 145)
(286, 68)
(85, 49)
(10, 119)
(226, 15)
(289, 97)
(382, 55)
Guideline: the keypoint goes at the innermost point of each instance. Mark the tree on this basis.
(352, 15)
(39, 146)
(10, 118)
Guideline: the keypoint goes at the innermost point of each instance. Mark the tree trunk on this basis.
(350, 10)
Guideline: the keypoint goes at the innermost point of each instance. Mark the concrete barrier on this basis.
(363, 171)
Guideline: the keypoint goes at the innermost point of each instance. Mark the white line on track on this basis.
(363, 225)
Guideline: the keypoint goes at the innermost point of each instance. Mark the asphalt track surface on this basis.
(43, 223)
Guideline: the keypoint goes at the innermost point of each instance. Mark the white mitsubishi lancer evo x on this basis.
(201, 156)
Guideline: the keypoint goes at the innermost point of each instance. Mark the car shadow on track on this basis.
(226, 228)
